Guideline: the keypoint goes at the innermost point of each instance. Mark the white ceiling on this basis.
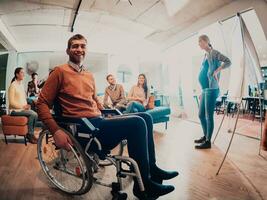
(45, 24)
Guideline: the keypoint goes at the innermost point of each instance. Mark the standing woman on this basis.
(18, 105)
(138, 96)
(209, 77)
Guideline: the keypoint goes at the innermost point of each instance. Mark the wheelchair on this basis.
(74, 171)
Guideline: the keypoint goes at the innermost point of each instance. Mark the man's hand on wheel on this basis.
(62, 140)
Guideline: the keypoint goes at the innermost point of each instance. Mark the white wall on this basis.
(153, 71)
(130, 62)
(98, 65)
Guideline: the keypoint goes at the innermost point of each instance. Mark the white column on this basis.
(11, 66)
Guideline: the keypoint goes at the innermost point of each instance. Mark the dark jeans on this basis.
(206, 111)
(32, 119)
(137, 129)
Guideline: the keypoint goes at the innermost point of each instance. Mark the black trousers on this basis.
(137, 129)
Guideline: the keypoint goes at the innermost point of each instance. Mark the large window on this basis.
(124, 74)
(3, 64)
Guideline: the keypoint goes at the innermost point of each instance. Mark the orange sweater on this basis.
(75, 92)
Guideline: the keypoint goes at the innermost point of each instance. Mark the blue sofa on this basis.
(160, 114)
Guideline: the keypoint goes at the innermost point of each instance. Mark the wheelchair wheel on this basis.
(118, 151)
(70, 171)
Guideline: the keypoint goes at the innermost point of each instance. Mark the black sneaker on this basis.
(204, 145)
(158, 175)
(152, 190)
(32, 139)
(201, 140)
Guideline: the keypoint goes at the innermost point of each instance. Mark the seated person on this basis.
(75, 91)
(33, 87)
(138, 96)
(18, 105)
(33, 90)
(116, 94)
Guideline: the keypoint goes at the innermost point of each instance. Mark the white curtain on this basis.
(237, 67)
(252, 62)
(245, 68)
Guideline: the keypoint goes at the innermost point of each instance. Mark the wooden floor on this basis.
(243, 176)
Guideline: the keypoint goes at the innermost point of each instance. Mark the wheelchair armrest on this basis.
(111, 112)
(89, 125)
(76, 121)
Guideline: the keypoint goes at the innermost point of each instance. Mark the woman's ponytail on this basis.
(13, 79)
(17, 70)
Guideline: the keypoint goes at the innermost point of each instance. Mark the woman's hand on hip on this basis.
(215, 75)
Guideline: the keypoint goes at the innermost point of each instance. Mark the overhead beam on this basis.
(230, 17)
(75, 16)
(146, 10)
(6, 38)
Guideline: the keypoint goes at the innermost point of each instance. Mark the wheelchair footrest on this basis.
(121, 175)
(115, 187)
(117, 193)
(119, 196)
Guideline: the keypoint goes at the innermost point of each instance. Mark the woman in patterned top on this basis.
(213, 63)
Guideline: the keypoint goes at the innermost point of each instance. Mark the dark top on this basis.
(32, 89)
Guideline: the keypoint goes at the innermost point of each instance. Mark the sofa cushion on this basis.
(157, 102)
(159, 112)
(14, 120)
(15, 130)
(162, 119)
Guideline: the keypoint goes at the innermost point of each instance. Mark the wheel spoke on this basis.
(66, 169)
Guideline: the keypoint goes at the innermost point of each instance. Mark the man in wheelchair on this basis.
(74, 88)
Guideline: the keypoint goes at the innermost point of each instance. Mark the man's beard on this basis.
(76, 60)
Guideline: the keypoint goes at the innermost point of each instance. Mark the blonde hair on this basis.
(206, 39)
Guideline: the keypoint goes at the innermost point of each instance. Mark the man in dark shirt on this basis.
(33, 89)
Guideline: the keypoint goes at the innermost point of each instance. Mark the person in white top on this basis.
(138, 96)
(18, 105)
